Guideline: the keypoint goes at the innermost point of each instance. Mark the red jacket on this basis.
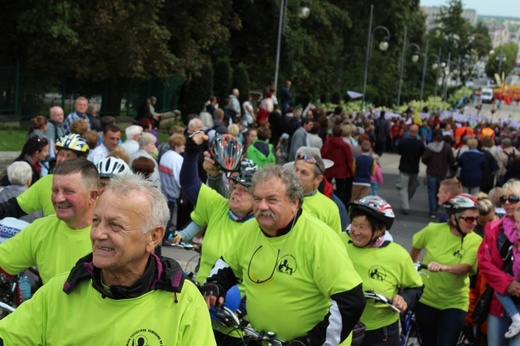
(490, 264)
(337, 150)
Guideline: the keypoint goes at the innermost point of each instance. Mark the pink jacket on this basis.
(377, 177)
(490, 264)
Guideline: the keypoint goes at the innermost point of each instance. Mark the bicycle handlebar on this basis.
(230, 319)
(370, 294)
(7, 307)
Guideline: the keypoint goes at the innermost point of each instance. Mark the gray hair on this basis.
(288, 176)
(19, 173)
(146, 138)
(126, 184)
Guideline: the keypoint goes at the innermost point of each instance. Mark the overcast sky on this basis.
(509, 8)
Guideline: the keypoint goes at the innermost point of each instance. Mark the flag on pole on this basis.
(354, 95)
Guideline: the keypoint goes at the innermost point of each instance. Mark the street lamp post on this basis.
(425, 64)
(501, 58)
(303, 13)
(446, 78)
(382, 46)
(403, 62)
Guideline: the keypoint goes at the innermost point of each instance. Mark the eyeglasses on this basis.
(309, 159)
(511, 198)
(468, 219)
(255, 279)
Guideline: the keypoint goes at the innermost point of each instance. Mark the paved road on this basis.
(404, 226)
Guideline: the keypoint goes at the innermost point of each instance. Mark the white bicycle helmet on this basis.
(376, 207)
(112, 166)
(226, 150)
(460, 203)
(73, 142)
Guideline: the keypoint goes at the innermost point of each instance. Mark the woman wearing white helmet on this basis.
(384, 266)
(451, 255)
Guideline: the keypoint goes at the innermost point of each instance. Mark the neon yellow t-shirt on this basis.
(383, 270)
(289, 279)
(444, 290)
(38, 197)
(324, 209)
(84, 317)
(47, 243)
(212, 211)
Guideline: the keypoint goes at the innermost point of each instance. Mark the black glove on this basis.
(192, 147)
(213, 290)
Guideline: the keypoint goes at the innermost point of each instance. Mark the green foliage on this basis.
(100, 44)
(241, 79)
(16, 140)
(503, 58)
(223, 79)
(199, 91)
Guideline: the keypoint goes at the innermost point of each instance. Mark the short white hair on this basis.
(19, 173)
(133, 130)
(127, 184)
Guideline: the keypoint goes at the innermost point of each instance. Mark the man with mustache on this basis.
(297, 276)
(54, 243)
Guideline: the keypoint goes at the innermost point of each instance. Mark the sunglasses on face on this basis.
(511, 198)
(309, 159)
(468, 219)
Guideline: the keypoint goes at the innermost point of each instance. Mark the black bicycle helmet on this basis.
(376, 207)
(247, 169)
(226, 150)
(112, 166)
(73, 142)
(459, 203)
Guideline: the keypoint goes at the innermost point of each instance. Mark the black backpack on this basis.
(510, 158)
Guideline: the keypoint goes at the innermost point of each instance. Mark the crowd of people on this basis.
(284, 202)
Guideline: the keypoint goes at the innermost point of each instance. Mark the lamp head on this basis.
(304, 12)
(415, 58)
(383, 45)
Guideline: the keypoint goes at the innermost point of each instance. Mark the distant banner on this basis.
(354, 95)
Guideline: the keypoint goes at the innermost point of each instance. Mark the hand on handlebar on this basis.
(399, 303)
(435, 267)
(213, 294)
(176, 239)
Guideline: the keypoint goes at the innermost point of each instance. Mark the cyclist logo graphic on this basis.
(458, 254)
(144, 337)
(377, 273)
(287, 265)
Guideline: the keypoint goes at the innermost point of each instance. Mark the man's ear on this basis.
(156, 236)
(94, 194)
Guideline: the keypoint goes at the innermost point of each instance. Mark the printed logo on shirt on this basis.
(287, 265)
(377, 273)
(458, 254)
(144, 337)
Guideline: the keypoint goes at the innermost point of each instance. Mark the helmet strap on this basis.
(457, 227)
